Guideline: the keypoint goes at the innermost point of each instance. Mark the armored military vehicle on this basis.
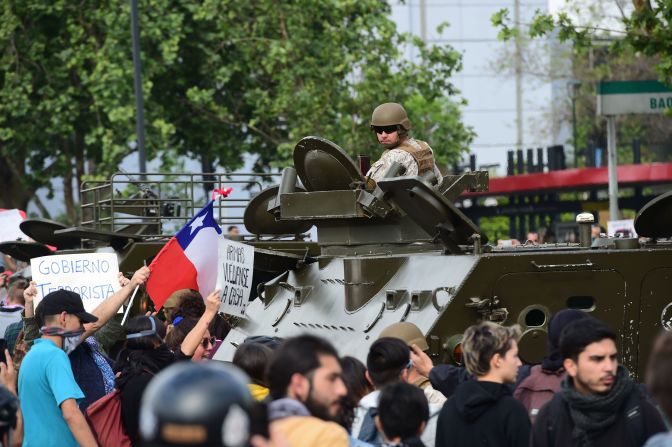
(404, 252)
(398, 251)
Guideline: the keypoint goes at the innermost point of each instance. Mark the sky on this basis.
(609, 11)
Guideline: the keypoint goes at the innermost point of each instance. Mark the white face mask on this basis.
(71, 339)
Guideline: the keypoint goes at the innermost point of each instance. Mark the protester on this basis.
(181, 328)
(271, 342)
(445, 378)
(11, 420)
(358, 386)
(190, 304)
(412, 335)
(253, 359)
(222, 416)
(543, 381)
(388, 362)
(658, 374)
(11, 312)
(305, 382)
(403, 413)
(532, 238)
(48, 391)
(483, 411)
(146, 354)
(93, 370)
(4, 277)
(171, 305)
(598, 404)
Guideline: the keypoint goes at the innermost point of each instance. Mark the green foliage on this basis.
(640, 50)
(495, 228)
(648, 29)
(220, 79)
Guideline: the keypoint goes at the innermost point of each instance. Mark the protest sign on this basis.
(92, 275)
(234, 275)
(9, 226)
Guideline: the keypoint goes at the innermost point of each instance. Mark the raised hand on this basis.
(423, 364)
(30, 293)
(212, 302)
(123, 281)
(140, 276)
(8, 373)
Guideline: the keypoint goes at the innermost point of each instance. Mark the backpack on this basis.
(104, 418)
(633, 415)
(536, 389)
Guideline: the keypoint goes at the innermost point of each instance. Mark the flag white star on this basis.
(196, 224)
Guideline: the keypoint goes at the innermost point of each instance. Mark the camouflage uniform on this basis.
(414, 155)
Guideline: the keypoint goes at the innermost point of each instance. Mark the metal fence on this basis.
(159, 204)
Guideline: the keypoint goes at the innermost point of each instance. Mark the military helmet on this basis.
(406, 332)
(197, 404)
(390, 114)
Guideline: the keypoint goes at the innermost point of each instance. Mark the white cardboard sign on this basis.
(234, 275)
(92, 275)
(9, 226)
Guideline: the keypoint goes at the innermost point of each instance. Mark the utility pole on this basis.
(518, 60)
(137, 81)
(612, 167)
(572, 91)
(423, 20)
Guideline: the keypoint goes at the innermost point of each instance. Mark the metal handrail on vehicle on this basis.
(159, 204)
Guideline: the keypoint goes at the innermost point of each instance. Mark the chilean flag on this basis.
(188, 260)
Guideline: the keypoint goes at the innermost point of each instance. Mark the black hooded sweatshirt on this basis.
(482, 414)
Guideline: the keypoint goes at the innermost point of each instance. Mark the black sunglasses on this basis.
(386, 129)
(209, 341)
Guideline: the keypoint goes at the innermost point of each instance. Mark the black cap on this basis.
(65, 301)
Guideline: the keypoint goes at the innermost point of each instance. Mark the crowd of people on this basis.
(72, 377)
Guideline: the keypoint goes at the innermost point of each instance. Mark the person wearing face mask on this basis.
(48, 391)
(91, 367)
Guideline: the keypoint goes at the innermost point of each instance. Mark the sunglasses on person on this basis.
(386, 129)
(208, 342)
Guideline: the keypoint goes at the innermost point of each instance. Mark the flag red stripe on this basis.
(171, 271)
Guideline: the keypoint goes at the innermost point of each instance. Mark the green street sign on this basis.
(624, 97)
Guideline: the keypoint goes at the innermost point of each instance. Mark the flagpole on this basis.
(130, 304)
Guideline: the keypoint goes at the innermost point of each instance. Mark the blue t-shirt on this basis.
(45, 381)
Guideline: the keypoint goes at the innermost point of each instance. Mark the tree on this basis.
(220, 79)
(631, 46)
(645, 28)
(66, 93)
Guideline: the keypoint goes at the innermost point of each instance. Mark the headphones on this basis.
(145, 333)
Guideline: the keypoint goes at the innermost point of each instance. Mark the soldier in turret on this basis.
(391, 125)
